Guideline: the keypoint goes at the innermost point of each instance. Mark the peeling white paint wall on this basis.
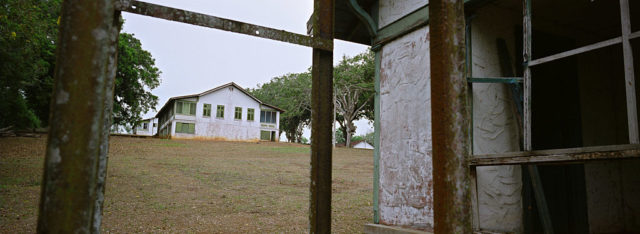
(406, 196)
(392, 10)
(495, 129)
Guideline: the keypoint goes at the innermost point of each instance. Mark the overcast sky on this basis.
(194, 59)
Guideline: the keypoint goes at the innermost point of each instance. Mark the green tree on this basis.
(28, 29)
(354, 91)
(28, 34)
(291, 92)
(136, 75)
(339, 135)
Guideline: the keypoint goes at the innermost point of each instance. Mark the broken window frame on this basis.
(572, 154)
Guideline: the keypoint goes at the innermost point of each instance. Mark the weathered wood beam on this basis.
(504, 80)
(526, 54)
(322, 113)
(581, 154)
(402, 26)
(189, 17)
(76, 157)
(580, 50)
(450, 118)
(629, 77)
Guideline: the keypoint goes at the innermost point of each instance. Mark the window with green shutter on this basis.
(189, 128)
(206, 110)
(220, 111)
(250, 114)
(238, 114)
(185, 108)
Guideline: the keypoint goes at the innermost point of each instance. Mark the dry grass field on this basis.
(190, 186)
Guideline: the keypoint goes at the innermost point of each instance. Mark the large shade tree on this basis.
(291, 92)
(28, 34)
(354, 91)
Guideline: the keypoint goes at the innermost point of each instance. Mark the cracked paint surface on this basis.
(406, 196)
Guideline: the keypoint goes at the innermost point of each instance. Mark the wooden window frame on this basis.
(237, 115)
(251, 114)
(220, 111)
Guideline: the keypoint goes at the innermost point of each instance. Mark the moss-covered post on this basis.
(75, 162)
(450, 118)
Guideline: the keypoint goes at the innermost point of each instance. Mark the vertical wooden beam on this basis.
(75, 162)
(526, 53)
(629, 77)
(541, 201)
(321, 121)
(376, 142)
(450, 118)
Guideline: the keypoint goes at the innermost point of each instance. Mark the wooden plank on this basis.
(504, 80)
(541, 201)
(630, 83)
(189, 17)
(402, 26)
(526, 22)
(559, 155)
(580, 50)
(634, 35)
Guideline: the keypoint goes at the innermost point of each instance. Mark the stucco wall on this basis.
(495, 129)
(392, 10)
(406, 195)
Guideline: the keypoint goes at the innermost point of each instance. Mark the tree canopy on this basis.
(28, 34)
(353, 90)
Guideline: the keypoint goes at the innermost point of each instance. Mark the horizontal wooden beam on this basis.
(558, 155)
(189, 17)
(402, 26)
(506, 80)
(580, 50)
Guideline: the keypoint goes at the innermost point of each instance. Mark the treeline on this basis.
(353, 91)
(28, 35)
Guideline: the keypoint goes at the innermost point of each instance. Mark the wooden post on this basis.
(321, 121)
(450, 118)
(526, 53)
(629, 77)
(75, 162)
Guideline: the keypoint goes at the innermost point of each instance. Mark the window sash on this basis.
(238, 114)
(206, 110)
(250, 114)
(220, 111)
(185, 108)
(189, 128)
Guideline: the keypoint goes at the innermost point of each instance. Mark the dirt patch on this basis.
(158, 185)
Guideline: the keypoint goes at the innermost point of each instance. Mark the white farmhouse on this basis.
(227, 112)
(147, 127)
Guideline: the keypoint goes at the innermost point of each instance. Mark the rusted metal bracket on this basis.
(199, 19)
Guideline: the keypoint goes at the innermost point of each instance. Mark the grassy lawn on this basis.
(156, 185)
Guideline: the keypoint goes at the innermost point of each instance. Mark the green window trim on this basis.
(238, 113)
(250, 114)
(189, 128)
(268, 116)
(186, 108)
(220, 111)
(206, 110)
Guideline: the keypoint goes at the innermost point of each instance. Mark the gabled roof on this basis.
(213, 90)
